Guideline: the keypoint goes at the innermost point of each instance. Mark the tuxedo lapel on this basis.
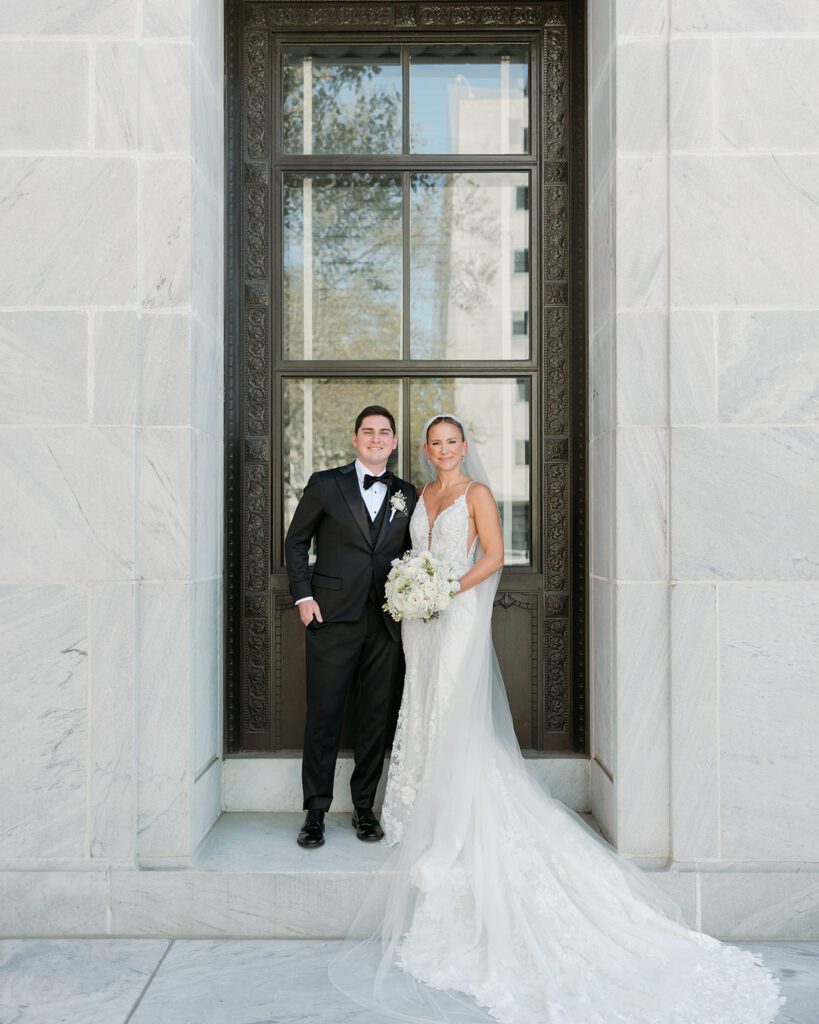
(348, 485)
(388, 516)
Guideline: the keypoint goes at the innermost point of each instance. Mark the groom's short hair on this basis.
(374, 410)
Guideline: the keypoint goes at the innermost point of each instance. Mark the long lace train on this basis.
(501, 903)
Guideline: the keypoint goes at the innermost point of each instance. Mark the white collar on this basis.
(361, 470)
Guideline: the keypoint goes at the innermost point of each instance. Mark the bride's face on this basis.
(445, 447)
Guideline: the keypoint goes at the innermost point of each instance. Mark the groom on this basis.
(359, 516)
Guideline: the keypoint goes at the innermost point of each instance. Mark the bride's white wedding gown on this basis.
(501, 902)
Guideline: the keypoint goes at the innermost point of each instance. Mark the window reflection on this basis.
(341, 99)
(469, 99)
(342, 266)
(319, 417)
(469, 274)
(496, 410)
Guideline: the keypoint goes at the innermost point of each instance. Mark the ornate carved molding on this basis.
(556, 370)
(257, 658)
(256, 371)
(367, 15)
(554, 93)
(256, 232)
(556, 717)
(556, 526)
(257, 572)
(257, 47)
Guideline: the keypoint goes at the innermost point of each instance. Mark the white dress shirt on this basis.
(374, 497)
(373, 500)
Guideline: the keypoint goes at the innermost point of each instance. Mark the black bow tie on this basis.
(370, 480)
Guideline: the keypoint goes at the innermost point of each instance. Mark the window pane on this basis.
(342, 266)
(319, 417)
(468, 294)
(496, 411)
(469, 99)
(341, 99)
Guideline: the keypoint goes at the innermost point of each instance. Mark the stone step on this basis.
(249, 879)
(274, 783)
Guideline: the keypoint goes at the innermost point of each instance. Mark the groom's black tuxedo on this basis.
(357, 638)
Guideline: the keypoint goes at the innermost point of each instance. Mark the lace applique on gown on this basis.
(500, 892)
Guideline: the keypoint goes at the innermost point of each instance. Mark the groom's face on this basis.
(375, 441)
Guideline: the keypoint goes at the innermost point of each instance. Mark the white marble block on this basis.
(642, 96)
(164, 721)
(67, 503)
(769, 720)
(165, 97)
(642, 719)
(43, 367)
(695, 795)
(642, 368)
(43, 94)
(716, 16)
(641, 249)
(115, 366)
(641, 502)
(768, 93)
(164, 514)
(111, 624)
(744, 503)
(89, 205)
(165, 234)
(70, 17)
(744, 230)
(691, 88)
(693, 366)
(768, 366)
(44, 725)
(603, 735)
(116, 85)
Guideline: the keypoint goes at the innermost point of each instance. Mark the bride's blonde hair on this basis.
(445, 419)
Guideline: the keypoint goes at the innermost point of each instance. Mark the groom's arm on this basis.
(309, 513)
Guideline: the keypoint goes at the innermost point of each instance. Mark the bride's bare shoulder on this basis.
(479, 494)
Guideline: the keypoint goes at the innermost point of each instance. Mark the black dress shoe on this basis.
(366, 825)
(311, 833)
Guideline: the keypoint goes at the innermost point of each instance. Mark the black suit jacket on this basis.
(333, 511)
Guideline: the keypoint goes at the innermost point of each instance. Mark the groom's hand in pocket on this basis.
(309, 610)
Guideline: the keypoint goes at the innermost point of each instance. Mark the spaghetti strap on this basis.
(468, 486)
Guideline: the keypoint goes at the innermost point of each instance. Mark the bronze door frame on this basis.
(552, 591)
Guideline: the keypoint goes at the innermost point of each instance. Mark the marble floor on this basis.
(240, 981)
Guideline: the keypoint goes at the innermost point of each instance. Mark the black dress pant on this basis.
(337, 653)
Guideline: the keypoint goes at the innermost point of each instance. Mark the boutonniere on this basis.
(398, 503)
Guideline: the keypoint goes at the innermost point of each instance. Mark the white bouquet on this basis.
(419, 586)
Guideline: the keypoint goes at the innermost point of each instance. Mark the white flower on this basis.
(419, 586)
(398, 503)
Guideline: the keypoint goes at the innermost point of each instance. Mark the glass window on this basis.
(521, 261)
(499, 423)
(520, 323)
(319, 418)
(464, 228)
(342, 266)
(469, 98)
(341, 99)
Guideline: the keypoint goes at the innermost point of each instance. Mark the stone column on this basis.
(110, 428)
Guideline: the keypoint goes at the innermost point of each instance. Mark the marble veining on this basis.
(251, 981)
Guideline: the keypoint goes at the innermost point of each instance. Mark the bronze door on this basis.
(405, 225)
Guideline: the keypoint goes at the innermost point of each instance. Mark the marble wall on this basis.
(110, 428)
(705, 439)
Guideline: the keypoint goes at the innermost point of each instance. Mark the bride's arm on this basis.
(490, 536)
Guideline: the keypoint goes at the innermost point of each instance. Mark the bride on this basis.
(502, 903)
